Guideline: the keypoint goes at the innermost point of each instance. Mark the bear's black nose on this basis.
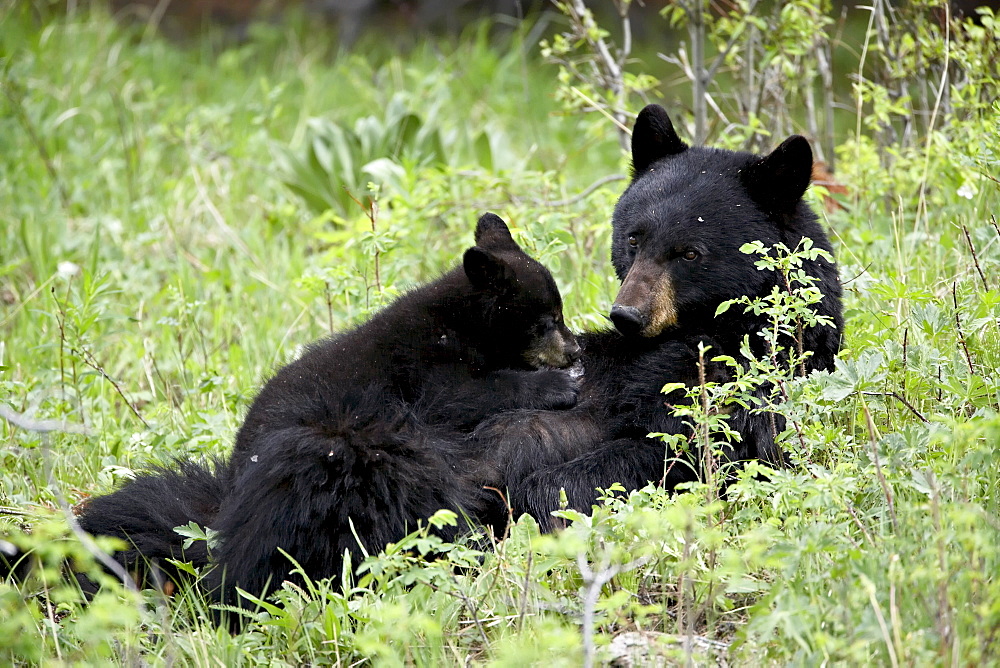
(627, 319)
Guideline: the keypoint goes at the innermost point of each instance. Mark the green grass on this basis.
(156, 170)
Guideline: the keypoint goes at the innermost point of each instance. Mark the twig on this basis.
(906, 342)
(611, 178)
(975, 257)
(863, 271)
(878, 468)
(857, 520)
(593, 582)
(901, 400)
(22, 421)
(524, 592)
(870, 586)
(473, 610)
(85, 539)
(961, 334)
(922, 197)
(91, 361)
(91, 546)
(88, 358)
(371, 212)
(622, 128)
(708, 458)
(611, 68)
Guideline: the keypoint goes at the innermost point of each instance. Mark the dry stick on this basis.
(878, 468)
(906, 341)
(328, 296)
(721, 56)
(708, 456)
(61, 319)
(701, 76)
(870, 586)
(89, 359)
(155, 18)
(62, 347)
(922, 200)
(696, 32)
(975, 257)
(23, 421)
(85, 539)
(901, 400)
(857, 520)
(961, 334)
(371, 211)
(593, 582)
(613, 73)
(473, 610)
(524, 592)
(622, 128)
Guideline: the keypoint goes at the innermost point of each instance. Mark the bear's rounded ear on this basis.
(492, 232)
(778, 180)
(486, 270)
(653, 138)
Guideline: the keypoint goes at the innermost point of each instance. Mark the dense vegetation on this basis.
(176, 220)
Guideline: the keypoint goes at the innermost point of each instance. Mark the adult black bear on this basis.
(361, 438)
(677, 233)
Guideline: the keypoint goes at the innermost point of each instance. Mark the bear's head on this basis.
(680, 223)
(518, 300)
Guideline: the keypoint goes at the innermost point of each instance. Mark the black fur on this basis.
(677, 231)
(144, 512)
(361, 438)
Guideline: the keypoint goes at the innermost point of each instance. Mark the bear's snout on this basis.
(558, 348)
(645, 304)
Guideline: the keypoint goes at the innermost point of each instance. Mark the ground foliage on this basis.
(174, 226)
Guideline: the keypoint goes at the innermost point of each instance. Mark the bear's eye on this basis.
(690, 255)
(633, 241)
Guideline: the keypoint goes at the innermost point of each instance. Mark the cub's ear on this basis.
(492, 232)
(486, 270)
(653, 137)
(778, 180)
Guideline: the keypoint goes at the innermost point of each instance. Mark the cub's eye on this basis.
(690, 255)
(633, 241)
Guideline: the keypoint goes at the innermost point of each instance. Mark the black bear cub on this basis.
(362, 438)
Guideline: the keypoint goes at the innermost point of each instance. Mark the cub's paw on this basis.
(555, 389)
